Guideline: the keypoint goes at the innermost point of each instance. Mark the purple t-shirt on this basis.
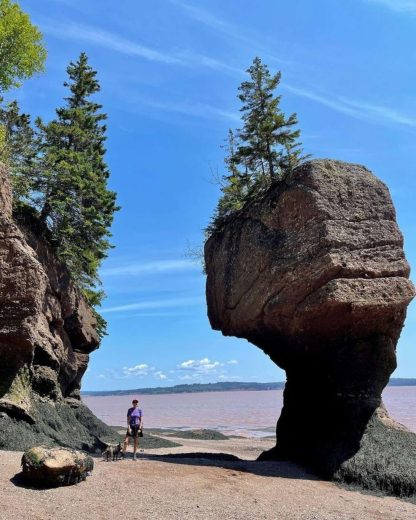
(134, 415)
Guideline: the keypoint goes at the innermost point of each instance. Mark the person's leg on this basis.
(126, 443)
(136, 439)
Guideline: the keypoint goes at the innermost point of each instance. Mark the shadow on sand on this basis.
(283, 469)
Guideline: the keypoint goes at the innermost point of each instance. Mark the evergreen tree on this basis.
(264, 151)
(235, 185)
(267, 136)
(20, 151)
(78, 207)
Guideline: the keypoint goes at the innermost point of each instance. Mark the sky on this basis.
(169, 72)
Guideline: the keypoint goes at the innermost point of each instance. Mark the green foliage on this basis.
(264, 151)
(19, 149)
(60, 177)
(22, 53)
(78, 207)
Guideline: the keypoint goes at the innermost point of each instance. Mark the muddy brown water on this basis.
(247, 413)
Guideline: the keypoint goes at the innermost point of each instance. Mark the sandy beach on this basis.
(161, 487)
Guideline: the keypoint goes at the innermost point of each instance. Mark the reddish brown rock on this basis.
(314, 274)
(47, 330)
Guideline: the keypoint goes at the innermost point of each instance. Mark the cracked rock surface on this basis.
(315, 275)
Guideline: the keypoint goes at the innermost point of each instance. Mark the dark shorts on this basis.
(134, 431)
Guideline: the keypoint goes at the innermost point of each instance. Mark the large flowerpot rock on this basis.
(313, 272)
(53, 467)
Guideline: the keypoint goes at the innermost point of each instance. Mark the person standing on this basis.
(134, 426)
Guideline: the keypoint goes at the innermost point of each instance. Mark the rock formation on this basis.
(314, 274)
(54, 467)
(47, 332)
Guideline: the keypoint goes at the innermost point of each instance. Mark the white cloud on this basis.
(358, 109)
(201, 369)
(137, 370)
(201, 365)
(149, 268)
(154, 304)
(400, 6)
(193, 370)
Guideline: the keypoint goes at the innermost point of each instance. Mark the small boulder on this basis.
(53, 467)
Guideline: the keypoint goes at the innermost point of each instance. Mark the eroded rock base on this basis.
(384, 460)
(70, 424)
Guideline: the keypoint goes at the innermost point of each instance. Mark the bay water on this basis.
(246, 413)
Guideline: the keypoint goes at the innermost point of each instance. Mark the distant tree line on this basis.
(223, 386)
(263, 152)
(58, 169)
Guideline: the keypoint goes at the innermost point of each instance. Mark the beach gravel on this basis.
(159, 487)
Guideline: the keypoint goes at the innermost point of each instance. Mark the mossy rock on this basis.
(53, 467)
(203, 435)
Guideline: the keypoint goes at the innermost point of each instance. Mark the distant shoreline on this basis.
(216, 387)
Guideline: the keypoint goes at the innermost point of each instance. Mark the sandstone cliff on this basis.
(314, 274)
(47, 332)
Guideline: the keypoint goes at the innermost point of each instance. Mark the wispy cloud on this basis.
(401, 6)
(200, 60)
(116, 43)
(105, 39)
(212, 21)
(149, 268)
(154, 304)
(254, 41)
(358, 109)
(199, 110)
(184, 107)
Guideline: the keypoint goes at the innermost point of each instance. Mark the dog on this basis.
(118, 451)
(108, 453)
(113, 452)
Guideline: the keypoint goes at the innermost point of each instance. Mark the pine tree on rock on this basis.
(264, 151)
(78, 207)
(267, 135)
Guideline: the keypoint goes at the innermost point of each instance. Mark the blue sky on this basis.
(169, 71)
